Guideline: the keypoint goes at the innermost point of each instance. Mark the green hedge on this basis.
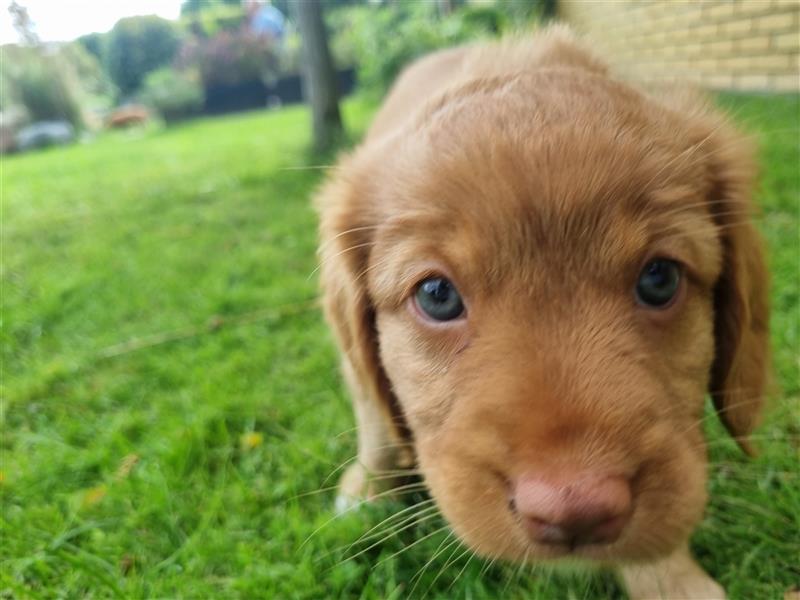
(175, 95)
(381, 40)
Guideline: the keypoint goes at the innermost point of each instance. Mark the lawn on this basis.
(173, 419)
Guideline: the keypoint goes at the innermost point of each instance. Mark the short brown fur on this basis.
(540, 185)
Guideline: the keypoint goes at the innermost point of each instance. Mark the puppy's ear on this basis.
(741, 305)
(348, 224)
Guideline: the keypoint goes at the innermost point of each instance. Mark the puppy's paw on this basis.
(358, 486)
(345, 503)
(695, 589)
(677, 576)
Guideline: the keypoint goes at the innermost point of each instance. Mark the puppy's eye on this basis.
(439, 299)
(658, 282)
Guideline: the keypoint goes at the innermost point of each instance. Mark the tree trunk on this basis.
(319, 76)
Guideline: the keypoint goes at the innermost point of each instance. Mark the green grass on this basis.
(128, 471)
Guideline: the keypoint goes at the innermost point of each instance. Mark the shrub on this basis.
(46, 96)
(215, 18)
(136, 46)
(41, 84)
(524, 12)
(484, 19)
(193, 7)
(175, 95)
(384, 39)
(85, 70)
(93, 43)
(230, 58)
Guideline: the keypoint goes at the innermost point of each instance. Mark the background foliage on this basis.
(50, 86)
(100, 70)
(231, 57)
(380, 40)
(176, 95)
(136, 46)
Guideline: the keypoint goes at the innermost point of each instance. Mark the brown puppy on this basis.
(536, 273)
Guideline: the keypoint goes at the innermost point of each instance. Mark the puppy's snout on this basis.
(581, 510)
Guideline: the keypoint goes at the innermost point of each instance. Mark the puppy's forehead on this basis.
(578, 173)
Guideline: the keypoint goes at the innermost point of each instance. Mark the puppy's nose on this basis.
(583, 510)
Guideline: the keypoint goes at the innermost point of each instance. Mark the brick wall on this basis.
(749, 45)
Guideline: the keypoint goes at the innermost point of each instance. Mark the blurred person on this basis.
(264, 19)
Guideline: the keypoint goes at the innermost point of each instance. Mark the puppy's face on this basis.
(542, 276)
